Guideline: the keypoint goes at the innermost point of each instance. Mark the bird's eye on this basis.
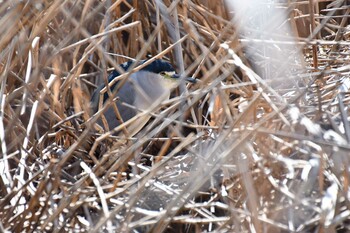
(162, 73)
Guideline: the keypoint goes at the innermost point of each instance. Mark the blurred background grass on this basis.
(229, 154)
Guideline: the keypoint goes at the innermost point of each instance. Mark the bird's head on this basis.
(166, 73)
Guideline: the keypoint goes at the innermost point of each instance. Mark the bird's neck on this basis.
(154, 88)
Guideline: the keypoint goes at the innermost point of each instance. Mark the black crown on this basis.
(156, 66)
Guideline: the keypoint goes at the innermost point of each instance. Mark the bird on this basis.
(140, 91)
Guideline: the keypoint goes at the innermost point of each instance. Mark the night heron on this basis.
(152, 84)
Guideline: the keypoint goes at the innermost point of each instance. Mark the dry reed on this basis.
(229, 154)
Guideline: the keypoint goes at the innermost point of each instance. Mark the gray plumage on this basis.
(142, 90)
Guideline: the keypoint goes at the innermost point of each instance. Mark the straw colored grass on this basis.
(228, 154)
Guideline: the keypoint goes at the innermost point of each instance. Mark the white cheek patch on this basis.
(170, 73)
(169, 82)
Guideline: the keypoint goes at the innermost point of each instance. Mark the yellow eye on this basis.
(167, 74)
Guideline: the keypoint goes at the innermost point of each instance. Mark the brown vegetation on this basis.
(228, 154)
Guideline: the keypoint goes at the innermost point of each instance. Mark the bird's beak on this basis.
(191, 80)
(188, 79)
